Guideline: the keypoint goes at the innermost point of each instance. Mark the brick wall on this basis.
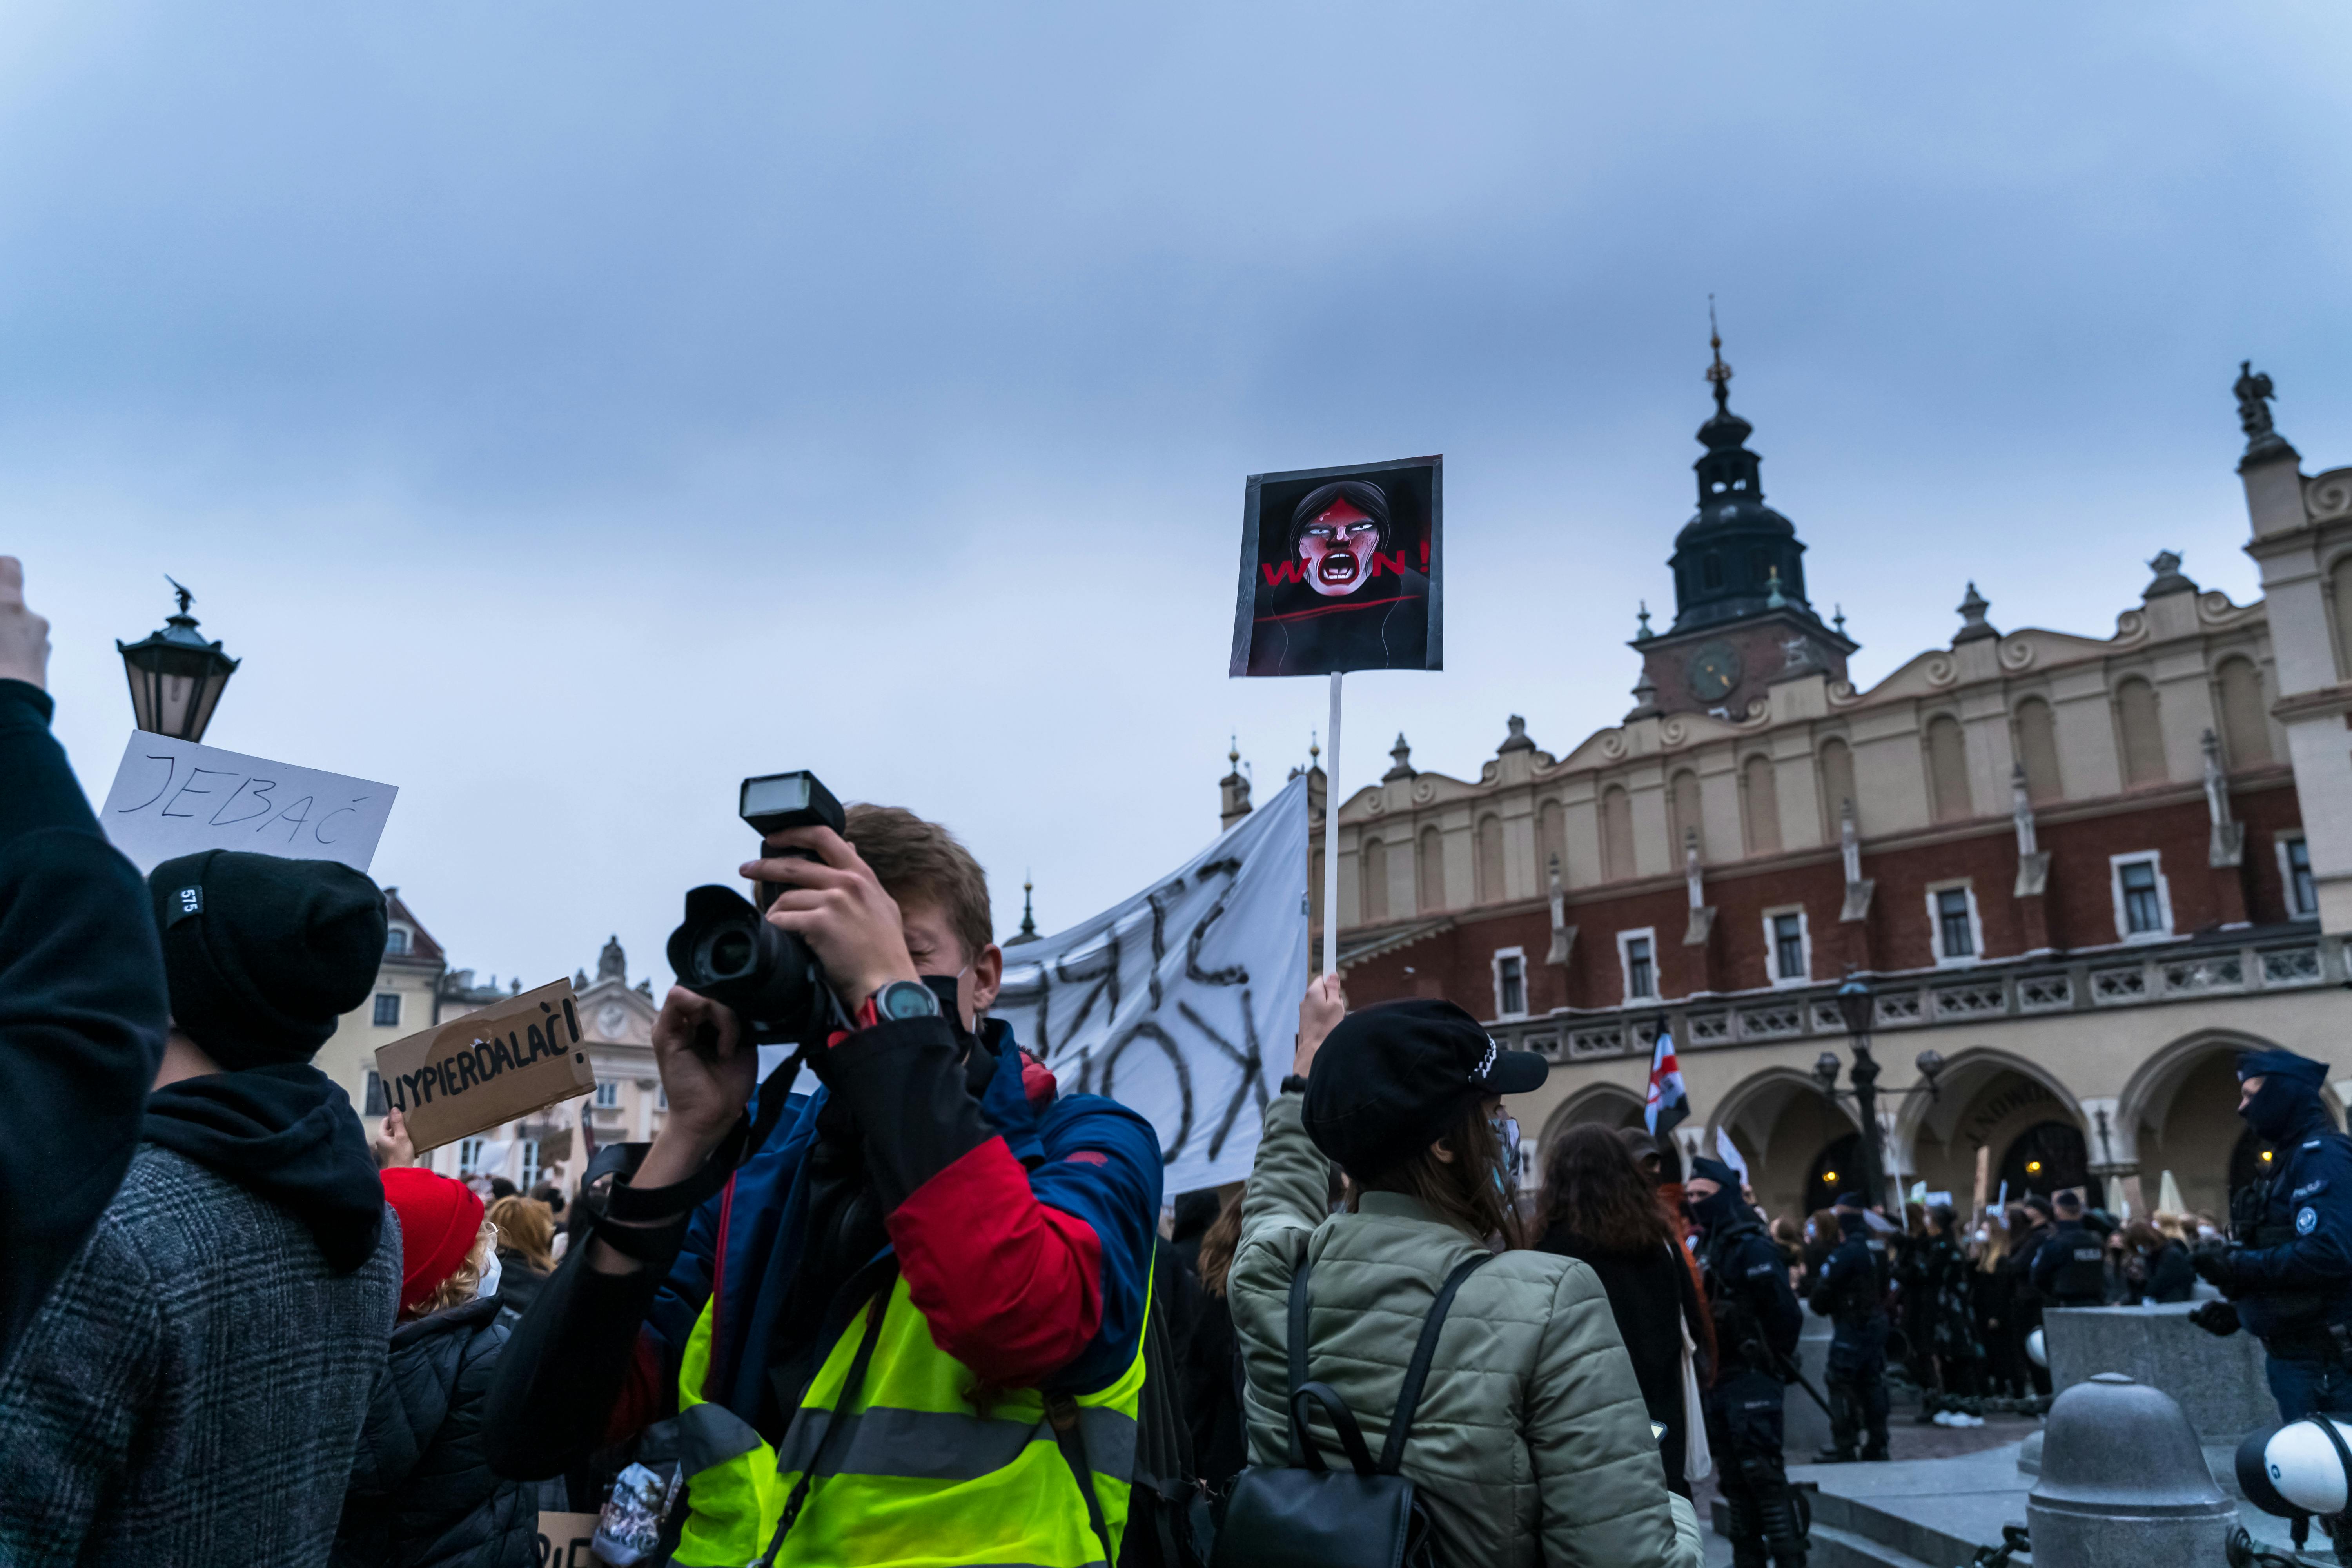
(2078, 909)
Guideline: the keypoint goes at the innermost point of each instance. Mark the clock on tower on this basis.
(1713, 670)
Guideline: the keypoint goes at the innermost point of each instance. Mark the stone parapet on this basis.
(2218, 1383)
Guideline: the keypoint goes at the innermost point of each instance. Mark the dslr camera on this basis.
(727, 951)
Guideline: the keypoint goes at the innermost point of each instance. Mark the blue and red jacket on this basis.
(1023, 1222)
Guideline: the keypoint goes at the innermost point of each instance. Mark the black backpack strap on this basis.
(1417, 1374)
(1351, 1437)
(1062, 1414)
(853, 1382)
(1298, 1447)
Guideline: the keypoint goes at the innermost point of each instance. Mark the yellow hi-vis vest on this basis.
(914, 1473)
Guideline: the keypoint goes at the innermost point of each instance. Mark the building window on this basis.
(387, 1009)
(1959, 937)
(2294, 870)
(608, 1093)
(377, 1105)
(395, 940)
(1791, 964)
(1511, 984)
(531, 1166)
(1637, 954)
(2143, 900)
(661, 1098)
(469, 1155)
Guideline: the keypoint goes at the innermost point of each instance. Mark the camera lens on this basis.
(727, 952)
(724, 950)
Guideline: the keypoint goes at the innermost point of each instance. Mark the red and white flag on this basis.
(1669, 1102)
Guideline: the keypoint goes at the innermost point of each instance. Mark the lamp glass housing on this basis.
(176, 678)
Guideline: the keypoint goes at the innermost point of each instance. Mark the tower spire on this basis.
(1028, 916)
(1719, 372)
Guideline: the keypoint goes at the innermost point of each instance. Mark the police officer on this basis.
(2071, 1267)
(2288, 1271)
(1852, 1293)
(1756, 1323)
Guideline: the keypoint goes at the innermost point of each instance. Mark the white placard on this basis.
(1182, 1002)
(173, 798)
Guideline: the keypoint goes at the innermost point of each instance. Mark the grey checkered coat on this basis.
(191, 1393)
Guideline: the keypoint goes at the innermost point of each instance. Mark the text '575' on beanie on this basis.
(439, 1220)
(264, 954)
(1392, 1077)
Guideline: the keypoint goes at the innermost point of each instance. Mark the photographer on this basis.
(932, 1242)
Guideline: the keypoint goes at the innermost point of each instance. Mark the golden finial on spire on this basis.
(1234, 756)
(1314, 750)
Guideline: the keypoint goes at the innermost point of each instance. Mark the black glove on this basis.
(2212, 1266)
(2216, 1317)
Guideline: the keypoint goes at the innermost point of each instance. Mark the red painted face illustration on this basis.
(1335, 551)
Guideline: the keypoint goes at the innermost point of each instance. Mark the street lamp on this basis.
(176, 676)
(1856, 1007)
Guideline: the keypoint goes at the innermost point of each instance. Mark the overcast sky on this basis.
(567, 409)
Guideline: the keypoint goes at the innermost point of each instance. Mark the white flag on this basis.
(1182, 1003)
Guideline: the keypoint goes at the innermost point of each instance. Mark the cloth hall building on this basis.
(2072, 867)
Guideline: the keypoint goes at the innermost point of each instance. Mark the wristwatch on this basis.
(903, 999)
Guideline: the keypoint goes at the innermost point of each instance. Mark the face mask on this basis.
(491, 1269)
(1507, 1140)
(2273, 1112)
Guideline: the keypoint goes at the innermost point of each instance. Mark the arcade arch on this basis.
(1986, 1099)
(1612, 1105)
(2182, 1111)
(1781, 1122)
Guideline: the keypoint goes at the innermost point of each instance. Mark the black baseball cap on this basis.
(1393, 1076)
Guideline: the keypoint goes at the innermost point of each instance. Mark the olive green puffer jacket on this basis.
(1531, 1445)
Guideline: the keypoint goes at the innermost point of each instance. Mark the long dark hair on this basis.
(1217, 1243)
(1462, 1190)
(1594, 1189)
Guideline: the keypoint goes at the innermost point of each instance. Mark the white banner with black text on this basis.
(1182, 1002)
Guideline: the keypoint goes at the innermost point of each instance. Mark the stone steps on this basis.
(1854, 1532)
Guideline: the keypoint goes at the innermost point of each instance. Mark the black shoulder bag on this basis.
(1305, 1515)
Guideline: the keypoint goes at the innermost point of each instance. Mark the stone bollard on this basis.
(2123, 1483)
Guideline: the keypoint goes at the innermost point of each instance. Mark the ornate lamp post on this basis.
(176, 676)
(1856, 1005)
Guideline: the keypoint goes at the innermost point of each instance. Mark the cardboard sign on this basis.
(174, 797)
(1341, 570)
(564, 1538)
(487, 1069)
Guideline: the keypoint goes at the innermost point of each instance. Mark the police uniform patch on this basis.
(2306, 1220)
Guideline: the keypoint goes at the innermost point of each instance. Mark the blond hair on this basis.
(463, 1282)
(528, 1226)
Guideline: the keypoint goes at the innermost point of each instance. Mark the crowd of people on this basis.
(924, 1310)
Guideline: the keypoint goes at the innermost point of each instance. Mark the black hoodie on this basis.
(286, 1134)
(82, 1011)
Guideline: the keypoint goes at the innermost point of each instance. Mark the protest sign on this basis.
(489, 1068)
(173, 798)
(564, 1538)
(1341, 570)
(1182, 1003)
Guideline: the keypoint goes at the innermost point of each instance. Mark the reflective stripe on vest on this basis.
(734, 1505)
(914, 1471)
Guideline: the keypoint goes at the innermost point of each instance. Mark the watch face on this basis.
(1714, 672)
(907, 999)
(613, 1019)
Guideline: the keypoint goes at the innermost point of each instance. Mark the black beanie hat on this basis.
(263, 955)
(1392, 1077)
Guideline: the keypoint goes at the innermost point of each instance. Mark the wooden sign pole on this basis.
(1331, 842)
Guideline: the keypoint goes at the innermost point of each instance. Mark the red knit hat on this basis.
(439, 1220)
